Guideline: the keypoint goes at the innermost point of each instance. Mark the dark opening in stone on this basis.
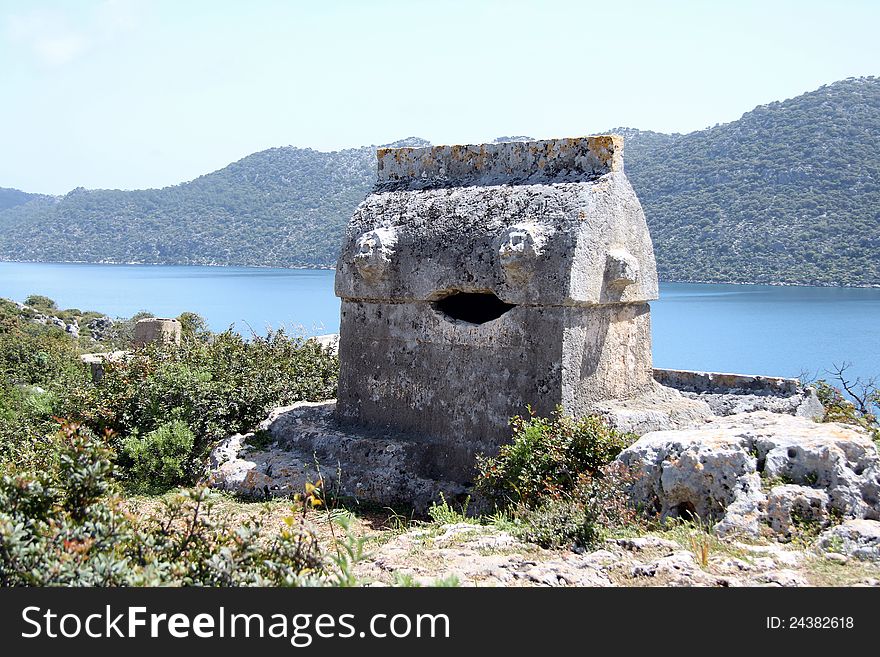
(473, 307)
(686, 511)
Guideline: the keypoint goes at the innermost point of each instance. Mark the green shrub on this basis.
(38, 364)
(68, 528)
(583, 516)
(558, 522)
(193, 327)
(547, 457)
(160, 460)
(216, 387)
(40, 302)
(444, 513)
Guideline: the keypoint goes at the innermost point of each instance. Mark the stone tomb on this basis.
(156, 329)
(479, 280)
(475, 281)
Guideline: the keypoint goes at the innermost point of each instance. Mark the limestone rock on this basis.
(100, 328)
(480, 555)
(678, 569)
(857, 538)
(295, 442)
(484, 555)
(717, 471)
(659, 409)
(784, 578)
(790, 504)
(731, 394)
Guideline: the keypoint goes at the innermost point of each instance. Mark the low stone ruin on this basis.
(146, 331)
(729, 394)
(156, 329)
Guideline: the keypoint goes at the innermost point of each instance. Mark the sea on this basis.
(748, 329)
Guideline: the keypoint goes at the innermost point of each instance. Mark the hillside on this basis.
(10, 198)
(789, 193)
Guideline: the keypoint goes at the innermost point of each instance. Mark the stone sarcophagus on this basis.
(479, 280)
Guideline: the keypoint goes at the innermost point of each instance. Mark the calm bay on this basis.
(752, 329)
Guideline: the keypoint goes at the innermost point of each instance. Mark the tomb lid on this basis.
(549, 222)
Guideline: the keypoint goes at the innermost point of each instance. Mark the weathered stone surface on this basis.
(695, 381)
(479, 555)
(716, 471)
(156, 329)
(730, 394)
(100, 328)
(660, 409)
(97, 362)
(857, 538)
(477, 280)
(790, 504)
(296, 441)
(568, 225)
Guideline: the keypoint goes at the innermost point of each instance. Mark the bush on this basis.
(67, 527)
(193, 327)
(547, 458)
(581, 518)
(38, 364)
(40, 302)
(160, 460)
(215, 387)
(558, 522)
(859, 406)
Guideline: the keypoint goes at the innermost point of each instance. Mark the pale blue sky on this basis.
(130, 94)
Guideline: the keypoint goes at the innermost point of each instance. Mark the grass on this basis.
(700, 538)
(422, 561)
(820, 571)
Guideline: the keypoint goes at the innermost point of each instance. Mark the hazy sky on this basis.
(129, 94)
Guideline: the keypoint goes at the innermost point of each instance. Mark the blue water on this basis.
(752, 329)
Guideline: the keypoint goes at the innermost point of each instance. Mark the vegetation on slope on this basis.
(161, 407)
(72, 509)
(789, 193)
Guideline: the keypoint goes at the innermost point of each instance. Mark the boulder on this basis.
(856, 538)
(722, 471)
(730, 394)
(790, 505)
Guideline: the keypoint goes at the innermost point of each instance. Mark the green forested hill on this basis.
(9, 198)
(789, 193)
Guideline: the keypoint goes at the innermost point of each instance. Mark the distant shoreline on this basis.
(332, 268)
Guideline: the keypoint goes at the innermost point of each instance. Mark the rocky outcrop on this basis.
(101, 328)
(856, 538)
(37, 317)
(756, 469)
(481, 555)
(304, 442)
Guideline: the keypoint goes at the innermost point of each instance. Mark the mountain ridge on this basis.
(786, 194)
